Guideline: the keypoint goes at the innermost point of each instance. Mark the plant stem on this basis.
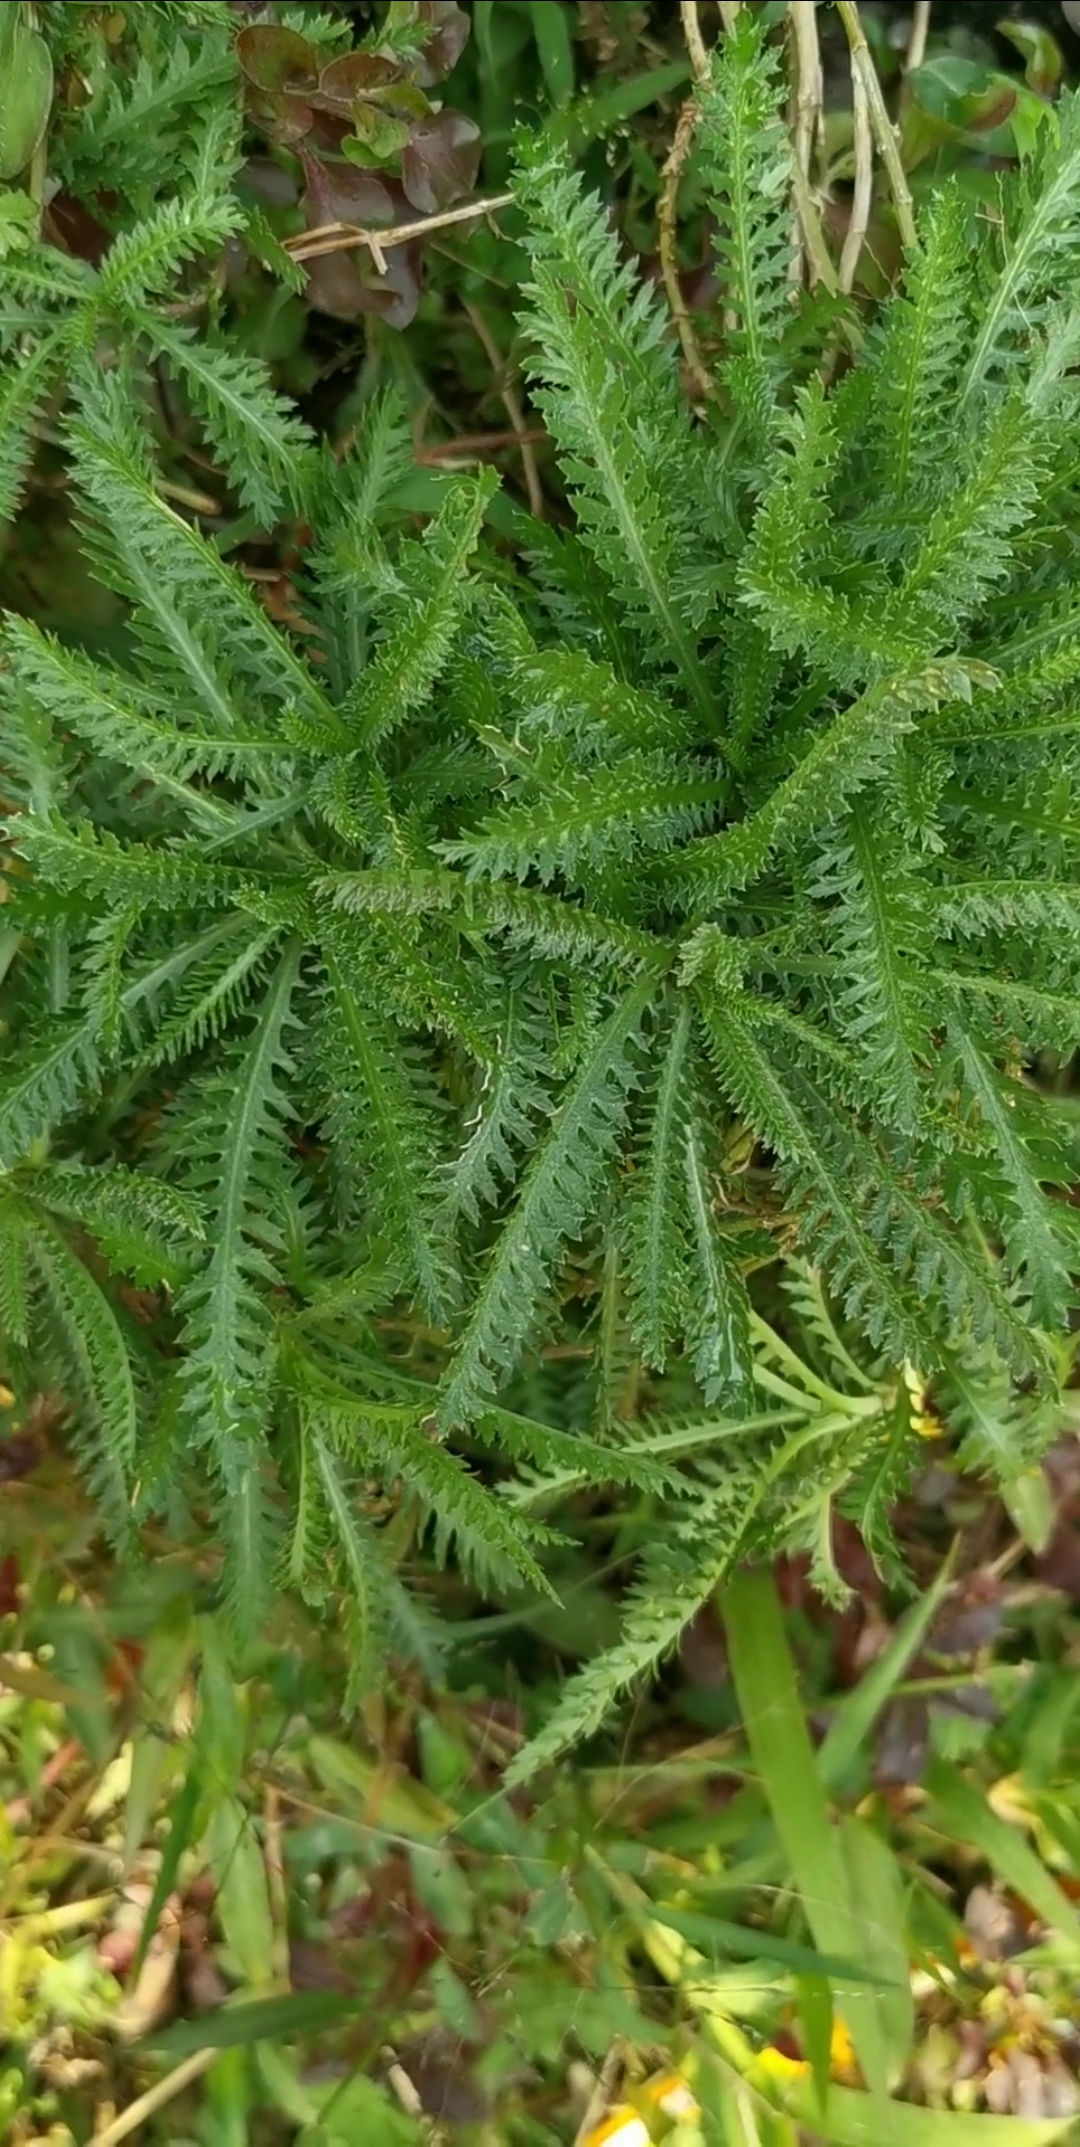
(862, 194)
(156, 2097)
(883, 129)
(338, 237)
(920, 26)
(809, 95)
(667, 224)
(695, 43)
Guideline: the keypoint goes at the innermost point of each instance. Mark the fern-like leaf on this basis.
(234, 1157)
(256, 435)
(745, 151)
(609, 395)
(402, 673)
(382, 1127)
(555, 1199)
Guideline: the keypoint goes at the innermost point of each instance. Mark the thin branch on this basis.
(156, 2097)
(728, 11)
(883, 129)
(511, 405)
(603, 2094)
(920, 27)
(808, 82)
(808, 96)
(338, 237)
(863, 191)
(667, 223)
(817, 252)
(468, 445)
(695, 43)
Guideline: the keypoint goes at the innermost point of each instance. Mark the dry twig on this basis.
(603, 2091)
(808, 84)
(338, 237)
(155, 2098)
(883, 130)
(695, 43)
(809, 97)
(508, 397)
(920, 27)
(862, 194)
(667, 224)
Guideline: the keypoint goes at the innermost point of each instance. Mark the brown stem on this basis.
(809, 97)
(862, 194)
(511, 405)
(336, 238)
(882, 126)
(695, 43)
(667, 222)
(920, 27)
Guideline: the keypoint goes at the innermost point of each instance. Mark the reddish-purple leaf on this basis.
(346, 282)
(275, 59)
(440, 161)
(449, 36)
(354, 75)
(343, 194)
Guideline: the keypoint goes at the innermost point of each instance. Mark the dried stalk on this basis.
(808, 83)
(883, 130)
(508, 397)
(808, 97)
(337, 238)
(163, 2091)
(819, 259)
(695, 43)
(604, 2091)
(920, 28)
(667, 224)
(862, 194)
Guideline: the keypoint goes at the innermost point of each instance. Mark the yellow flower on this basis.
(622, 2128)
(842, 2062)
(780, 2067)
(668, 2093)
(924, 1420)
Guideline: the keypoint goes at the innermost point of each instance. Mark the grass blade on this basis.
(855, 2120)
(783, 1755)
(849, 1730)
(962, 1813)
(261, 2020)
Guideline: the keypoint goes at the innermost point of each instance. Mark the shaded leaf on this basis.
(440, 161)
(26, 90)
(274, 59)
(449, 37)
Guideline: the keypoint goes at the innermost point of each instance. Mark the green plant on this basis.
(138, 212)
(142, 157)
(687, 1905)
(410, 999)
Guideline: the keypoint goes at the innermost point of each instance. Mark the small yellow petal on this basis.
(841, 2051)
(780, 2065)
(624, 2128)
(669, 2094)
